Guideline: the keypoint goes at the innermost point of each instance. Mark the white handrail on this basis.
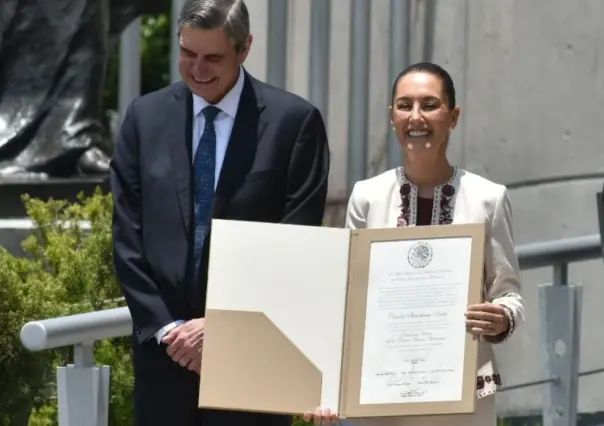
(75, 329)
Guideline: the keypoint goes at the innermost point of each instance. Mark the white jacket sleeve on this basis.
(502, 271)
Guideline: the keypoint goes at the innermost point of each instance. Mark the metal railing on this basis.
(80, 329)
(83, 388)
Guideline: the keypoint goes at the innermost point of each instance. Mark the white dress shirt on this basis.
(224, 125)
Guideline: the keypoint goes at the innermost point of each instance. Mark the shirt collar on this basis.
(228, 104)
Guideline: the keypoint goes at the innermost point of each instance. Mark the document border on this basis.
(356, 305)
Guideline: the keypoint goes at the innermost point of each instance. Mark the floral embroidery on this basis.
(446, 210)
(481, 380)
(442, 205)
(403, 219)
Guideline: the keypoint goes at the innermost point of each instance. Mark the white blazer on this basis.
(467, 198)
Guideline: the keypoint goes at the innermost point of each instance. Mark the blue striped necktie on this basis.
(204, 175)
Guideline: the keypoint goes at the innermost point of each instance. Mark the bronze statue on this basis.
(53, 55)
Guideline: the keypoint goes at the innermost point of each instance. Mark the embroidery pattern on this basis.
(442, 205)
(481, 380)
(510, 315)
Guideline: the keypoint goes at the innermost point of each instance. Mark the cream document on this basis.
(415, 325)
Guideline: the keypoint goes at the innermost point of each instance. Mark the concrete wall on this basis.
(530, 82)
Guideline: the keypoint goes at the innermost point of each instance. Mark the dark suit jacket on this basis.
(275, 170)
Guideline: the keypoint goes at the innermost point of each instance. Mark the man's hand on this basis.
(185, 342)
(487, 319)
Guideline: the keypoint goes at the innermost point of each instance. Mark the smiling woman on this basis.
(423, 114)
(428, 190)
(421, 100)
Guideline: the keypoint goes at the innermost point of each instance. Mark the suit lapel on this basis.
(247, 131)
(179, 125)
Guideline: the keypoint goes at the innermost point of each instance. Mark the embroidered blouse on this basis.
(416, 211)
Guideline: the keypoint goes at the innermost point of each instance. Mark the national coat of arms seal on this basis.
(420, 255)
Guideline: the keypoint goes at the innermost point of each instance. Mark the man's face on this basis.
(209, 62)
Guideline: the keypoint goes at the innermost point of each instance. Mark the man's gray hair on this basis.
(230, 15)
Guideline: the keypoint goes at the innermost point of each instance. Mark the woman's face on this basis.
(420, 116)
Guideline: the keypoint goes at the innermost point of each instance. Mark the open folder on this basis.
(296, 316)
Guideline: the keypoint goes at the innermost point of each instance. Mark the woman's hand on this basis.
(321, 417)
(487, 319)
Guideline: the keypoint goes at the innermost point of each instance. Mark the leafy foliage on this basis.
(67, 269)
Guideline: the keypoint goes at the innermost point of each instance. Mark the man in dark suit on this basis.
(220, 144)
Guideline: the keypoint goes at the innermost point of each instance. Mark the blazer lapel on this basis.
(247, 131)
(179, 133)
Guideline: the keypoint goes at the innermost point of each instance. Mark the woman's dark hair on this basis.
(435, 70)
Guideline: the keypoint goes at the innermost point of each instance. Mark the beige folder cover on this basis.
(285, 317)
(281, 377)
(274, 317)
